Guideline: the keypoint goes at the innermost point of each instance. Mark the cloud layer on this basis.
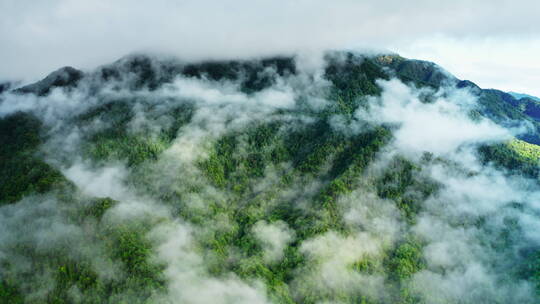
(38, 37)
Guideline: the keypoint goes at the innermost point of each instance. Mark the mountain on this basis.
(371, 179)
(64, 78)
(520, 96)
(4, 86)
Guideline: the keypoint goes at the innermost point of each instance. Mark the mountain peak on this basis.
(64, 77)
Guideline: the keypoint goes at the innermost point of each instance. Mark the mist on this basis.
(199, 180)
(41, 37)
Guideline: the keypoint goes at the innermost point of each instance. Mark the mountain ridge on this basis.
(498, 105)
(522, 95)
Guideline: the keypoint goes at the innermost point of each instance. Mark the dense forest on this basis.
(368, 179)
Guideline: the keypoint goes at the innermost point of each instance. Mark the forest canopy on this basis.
(373, 179)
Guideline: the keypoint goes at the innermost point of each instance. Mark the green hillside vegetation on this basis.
(23, 171)
(517, 156)
(526, 150)
(292, 168)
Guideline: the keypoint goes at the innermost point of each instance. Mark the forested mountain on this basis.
(520, 96)
(366, 179)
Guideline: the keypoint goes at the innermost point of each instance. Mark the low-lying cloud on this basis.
(198, 228)
(440, 126)
(40, 37)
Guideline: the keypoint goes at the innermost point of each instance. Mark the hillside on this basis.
(371, 179)
(521, 95)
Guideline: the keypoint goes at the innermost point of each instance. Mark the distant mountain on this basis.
(503, 108)
(4, 86)
(64, 77)
(521, 95)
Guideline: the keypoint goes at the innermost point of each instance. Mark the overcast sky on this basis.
(495, 43)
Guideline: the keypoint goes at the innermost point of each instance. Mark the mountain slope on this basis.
(520, 96)
(371, 180)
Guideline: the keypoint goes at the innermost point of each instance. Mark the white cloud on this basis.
(331, 257)
(274, 238)
(188, 280)
(439, 127)
(278, 96)
(37, 37)
(101, 182)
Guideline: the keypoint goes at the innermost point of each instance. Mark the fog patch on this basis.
(274, 238)
(188, 280)
(440, 126)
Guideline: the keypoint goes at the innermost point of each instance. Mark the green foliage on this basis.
(534, 266)
(134, 148)
(402, 263)
(98, 207)
(502, 108)
(358, 152)
(253, 76)
(353, 78)
(495, 105)
(309, 150)
(221, 163)
(22, 171)
(119, 142)
(135, 278)
(511, 157)
(526, 150)
(406, 260)
(295, 169)
(404, 183)
(9, 294)
(128, 243)
(420, 73)
(367, 265)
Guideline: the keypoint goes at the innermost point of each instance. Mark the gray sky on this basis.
(494, 43)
